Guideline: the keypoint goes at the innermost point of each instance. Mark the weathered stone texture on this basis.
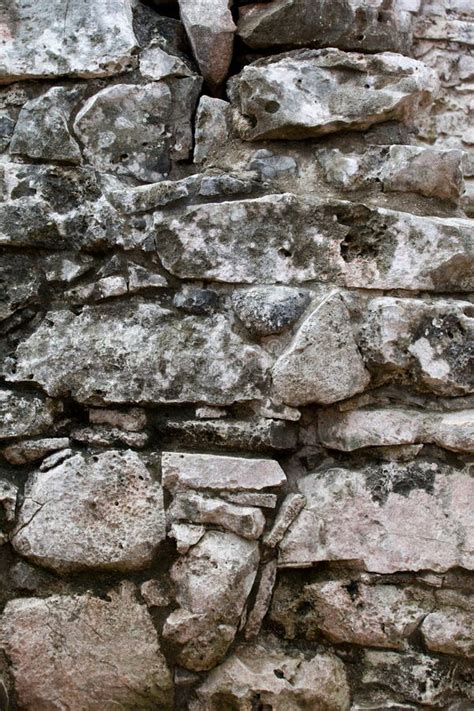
(103, 513)
(86, 652)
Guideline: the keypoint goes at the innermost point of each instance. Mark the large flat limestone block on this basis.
(140, 352)
(390, 517)
(85, 652)
(314, 92)
(103, 512)
(49, 38)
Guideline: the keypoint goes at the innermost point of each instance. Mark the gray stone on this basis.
(8, 499)
(263, 597)
(42, 131)
(104, 436)
(154, 594)
(144, 198)
(309, 93)
(382, 427)
(33, 449)
(45, 39)
(280, 679)
(450, 631)
(126, 353)
(186, 535)
(374, 515)
(156, 63)
(212, 128)
(54, 459)
(210, 28)
(223, 184)
(83, 651)
(270, 166)
(212, 581)
(352, 612)
(245, 498)
(267, 310)
(400, 675)
(209, 471)
(196, 301)
(136, 129)
(104, 512)
(20, 282)
(23, 414)
(245, 521)
(430, 342)
(288, 511)
(131, 420)
(261, 435)
(347, 24)
(323, 363)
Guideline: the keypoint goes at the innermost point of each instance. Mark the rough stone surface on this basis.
(428, 341)
(450, 631)
(373, 515)
(134, 353)
(323, 363)
(33, 449)
(392, 427)
(25, 414)
(42, 131)
(8, 499)
(213, 581)
(345, 24)
(212, 127)
(104, 513)
(245, 521)
(104, 126)
(280, 680)
(210, 28)
(352, 612)
(92, 39)
(270, 310)
(314, 92)
(208, 471)
(98, 653)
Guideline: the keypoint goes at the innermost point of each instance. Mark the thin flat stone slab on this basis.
(208, 471)
(50, 38)
(82, 651)
(309, 93)
(104, 512)
(139, 352)
(389, 517)
(346, 24)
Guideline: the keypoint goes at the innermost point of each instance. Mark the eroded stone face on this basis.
(86, 651)
(310, 93)
(285, 681)
(136, 352)
(104, 512)
(347, 24)
(42, 130)
(212, 582)
(266, 310)
(25, 414)
(430, 341)
(352, 612)
(374, 515)
(92, 39)
(323, 363)
(136, 129)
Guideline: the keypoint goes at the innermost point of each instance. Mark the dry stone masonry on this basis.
(236, 355)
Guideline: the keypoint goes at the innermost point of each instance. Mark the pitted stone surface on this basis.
(25, 414)
(104, 512)
(212, 581)
(135, 353)
(283, 681)
(314, 92)
(374, 515)
(86, 651)
(91, 39)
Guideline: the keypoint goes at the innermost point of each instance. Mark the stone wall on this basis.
(236, 411)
